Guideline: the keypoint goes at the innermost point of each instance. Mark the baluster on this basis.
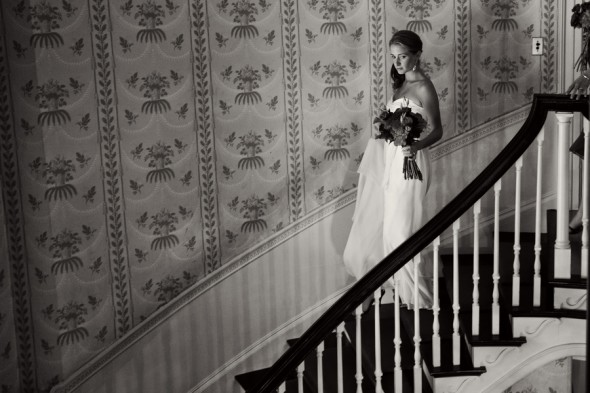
(456, 308)
(562, 264)
(585, 203)
(378, 371)
(397, 341)
(359, 352)
(300, 370)
(516, 263)
(435, 307)
(496, 273)
(282, 388)
(340, 372)
(320, 367)
(538, 247)
(475, 305)
(417, 339)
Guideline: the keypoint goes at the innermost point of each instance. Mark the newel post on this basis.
(562, 268)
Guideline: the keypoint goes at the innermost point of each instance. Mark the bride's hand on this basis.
(409, 151)
(579, 87)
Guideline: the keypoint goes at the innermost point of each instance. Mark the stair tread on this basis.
(249, 379)
(439, 372)
(540, 313)
(574, 282)
(497, 341)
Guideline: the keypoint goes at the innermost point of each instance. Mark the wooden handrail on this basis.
(370, 282)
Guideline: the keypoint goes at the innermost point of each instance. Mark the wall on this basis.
(147, 146)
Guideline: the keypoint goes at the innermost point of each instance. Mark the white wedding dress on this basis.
(389, 209)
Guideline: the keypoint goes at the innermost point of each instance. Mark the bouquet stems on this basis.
(411, 170)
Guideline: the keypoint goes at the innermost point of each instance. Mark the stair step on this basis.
(497, 341)
(249, 379)
(456, 371)
(539, 313)
(574, 282)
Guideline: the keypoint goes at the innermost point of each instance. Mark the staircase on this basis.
(498, 310)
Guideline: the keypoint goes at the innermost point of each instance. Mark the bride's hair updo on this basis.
(410, 40)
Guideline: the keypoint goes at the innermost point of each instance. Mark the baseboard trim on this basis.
(460, 141)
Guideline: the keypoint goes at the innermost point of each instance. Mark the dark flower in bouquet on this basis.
(581, 20)
(402, 127)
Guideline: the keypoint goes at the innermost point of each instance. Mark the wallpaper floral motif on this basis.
(146, 143)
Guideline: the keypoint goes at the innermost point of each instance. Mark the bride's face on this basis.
(403, 59)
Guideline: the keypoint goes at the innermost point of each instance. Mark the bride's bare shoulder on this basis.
(425, 89)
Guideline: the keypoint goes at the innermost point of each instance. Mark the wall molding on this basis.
(462, 140)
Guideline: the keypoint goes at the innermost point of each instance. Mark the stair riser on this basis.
(569, 298)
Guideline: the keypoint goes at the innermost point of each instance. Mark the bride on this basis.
(389, 208)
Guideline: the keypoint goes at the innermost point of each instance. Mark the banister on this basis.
(542, 104)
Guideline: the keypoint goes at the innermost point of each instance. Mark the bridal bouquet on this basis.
(402, 127)
(581, 20)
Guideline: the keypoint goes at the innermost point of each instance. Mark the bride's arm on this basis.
(429, 100)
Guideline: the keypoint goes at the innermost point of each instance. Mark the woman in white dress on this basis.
(389, 208)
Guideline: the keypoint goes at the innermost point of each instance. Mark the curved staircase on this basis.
(499, 312)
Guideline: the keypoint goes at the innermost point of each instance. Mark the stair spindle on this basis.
(562, 264)
(538, 247)
(585, 204)
(300, 371)
(320, 367)
(435, 307)
(475, 305)
(339, 355)
(378, 370)
(516, 247)
(397, 341)
(456, 308)
(496, 272)
(417, 339)
(359, 352)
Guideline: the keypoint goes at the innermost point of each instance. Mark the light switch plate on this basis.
(538, 46)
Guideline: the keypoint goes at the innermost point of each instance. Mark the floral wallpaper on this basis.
(147, 143)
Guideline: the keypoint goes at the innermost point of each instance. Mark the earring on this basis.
(414, 68)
